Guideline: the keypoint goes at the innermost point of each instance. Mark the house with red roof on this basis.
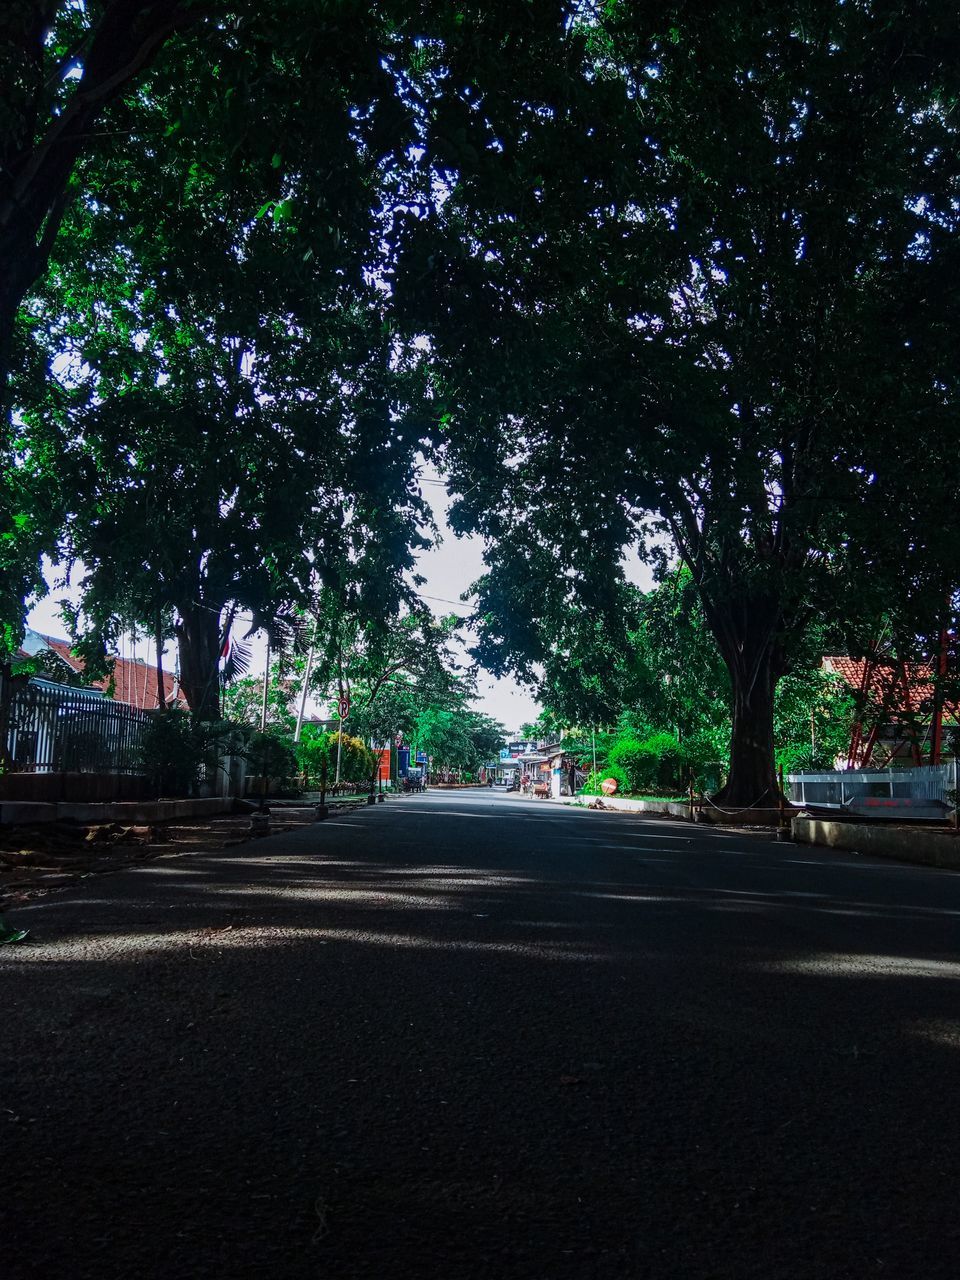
(903, 709)
(131, 680)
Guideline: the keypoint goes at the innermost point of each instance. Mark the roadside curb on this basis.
(666, 808)
(925, 848)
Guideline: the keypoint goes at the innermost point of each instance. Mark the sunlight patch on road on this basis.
(456, 878)
(631, 897)
(644, 853)
(937, 1031)
(633, 835)
(156, 870)
(865, 966)
(451, 813)
(198, 944)
(533, 951)
(320, 891)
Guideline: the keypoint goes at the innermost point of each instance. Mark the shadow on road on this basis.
(434, 1056)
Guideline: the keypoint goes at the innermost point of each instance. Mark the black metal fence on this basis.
(51, 728)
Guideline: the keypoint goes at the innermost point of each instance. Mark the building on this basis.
(507, 770)
(902, 710)
(131, 680)
(543, 763)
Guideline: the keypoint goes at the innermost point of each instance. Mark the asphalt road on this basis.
(466, 1035)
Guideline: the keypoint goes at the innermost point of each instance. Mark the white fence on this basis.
(921, 792)
(51, 728)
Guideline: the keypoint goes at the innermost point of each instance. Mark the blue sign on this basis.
(421, 757)
(403, 761)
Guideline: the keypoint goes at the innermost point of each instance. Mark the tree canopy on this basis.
(640, 275)
(697, 298)
(210, 361)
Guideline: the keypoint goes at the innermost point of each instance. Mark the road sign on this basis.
(421, 757)
(343, 708)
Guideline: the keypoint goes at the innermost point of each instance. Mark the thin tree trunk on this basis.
(198, 642)
(6, 696)
(158, 641)
(11, 293)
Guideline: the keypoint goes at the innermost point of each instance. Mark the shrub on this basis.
(654, 762)
(592, 785)
(316, 753)
(180, 752)
(269, 755)
(634, 761)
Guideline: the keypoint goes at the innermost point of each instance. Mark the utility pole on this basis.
(263, 729)
(306, 681)
(158, 641)
(266, 690)
(339, 705)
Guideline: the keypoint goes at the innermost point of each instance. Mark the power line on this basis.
(462, 604)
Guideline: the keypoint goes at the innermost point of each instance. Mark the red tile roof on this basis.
(133, 682)
(885, 687)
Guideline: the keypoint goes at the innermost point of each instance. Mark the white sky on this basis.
(449, 569)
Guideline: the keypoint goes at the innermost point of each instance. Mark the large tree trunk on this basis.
(752, 653)
(198, 642)
(752, 780)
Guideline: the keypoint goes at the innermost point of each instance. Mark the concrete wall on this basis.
(19, 813)
(908, 844)
(681, 809)
(674, 810)
(55, 787)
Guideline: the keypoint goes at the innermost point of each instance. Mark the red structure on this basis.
(901, 706)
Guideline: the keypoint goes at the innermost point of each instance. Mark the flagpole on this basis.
(266, 691)
(306, 681)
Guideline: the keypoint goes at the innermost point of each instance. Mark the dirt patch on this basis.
(36, 860)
